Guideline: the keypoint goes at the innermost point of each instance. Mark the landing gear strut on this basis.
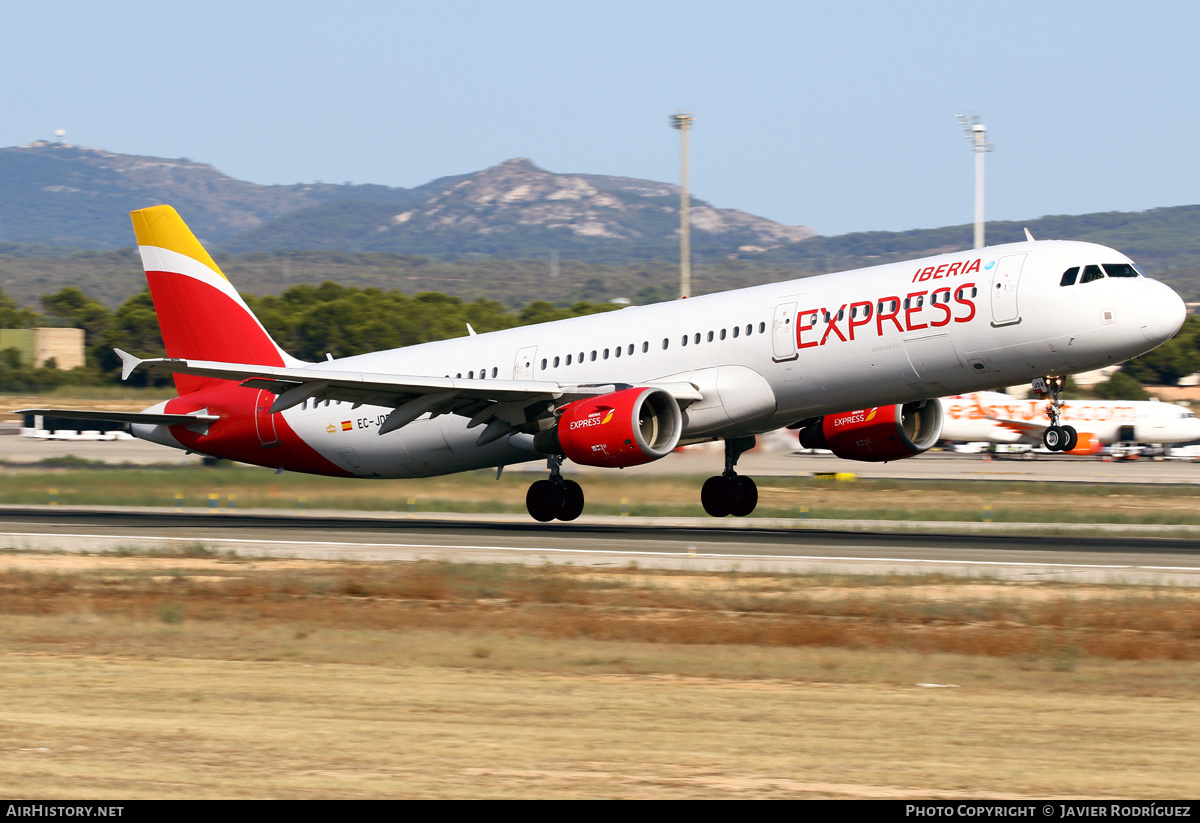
(730, 493)
(1056, 438)
(555, 498)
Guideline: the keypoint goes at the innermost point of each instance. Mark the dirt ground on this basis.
(181, 677)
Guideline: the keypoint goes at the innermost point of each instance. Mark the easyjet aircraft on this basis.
(854, 361)
(1000, 418)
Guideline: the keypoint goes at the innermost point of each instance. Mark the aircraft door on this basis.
(264, 421)
(523, 368)
(1004, 290)
(783, 332)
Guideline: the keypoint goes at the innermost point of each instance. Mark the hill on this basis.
(489, 234)
(59, 195)
(62, 195)
(516, 209)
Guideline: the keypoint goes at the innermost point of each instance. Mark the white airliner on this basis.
(854, 360)
(993, 417)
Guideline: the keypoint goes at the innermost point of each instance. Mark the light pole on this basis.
(683, 122)
(976, 132)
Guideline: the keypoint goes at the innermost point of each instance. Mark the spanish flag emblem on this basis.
(346, 425)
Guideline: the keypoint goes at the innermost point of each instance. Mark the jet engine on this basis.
(1087, 445)
(878, 434)
(622, 428)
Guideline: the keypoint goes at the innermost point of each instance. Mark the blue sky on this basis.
(835, 116)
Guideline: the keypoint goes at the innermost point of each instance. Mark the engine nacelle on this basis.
(878, 434)
(1088, 445)
(623, 428)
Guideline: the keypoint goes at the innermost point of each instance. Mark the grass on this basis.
(196, 676)
(480, 492)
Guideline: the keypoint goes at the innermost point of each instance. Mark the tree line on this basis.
(307, 321)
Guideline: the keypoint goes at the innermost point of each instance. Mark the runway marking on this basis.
(638, 553)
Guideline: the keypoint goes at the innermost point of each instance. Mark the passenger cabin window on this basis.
(1091, 273)
(645, 346)
(722, 334)
(1120, 270)
(697, 338)
(1068, 278)
(737, 330)
(666, 343)
(683, 341)
(762, 327)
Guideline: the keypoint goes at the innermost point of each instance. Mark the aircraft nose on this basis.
(1160, 312)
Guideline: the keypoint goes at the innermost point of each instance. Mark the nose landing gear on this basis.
(1057, 437)
(730, 493)
(556, 498)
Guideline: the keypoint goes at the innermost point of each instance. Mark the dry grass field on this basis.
(203, 676)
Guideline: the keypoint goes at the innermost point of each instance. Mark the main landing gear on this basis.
(730, 493)
(1057, 437)
(556, 498)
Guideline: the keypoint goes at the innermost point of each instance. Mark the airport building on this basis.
(40, 346)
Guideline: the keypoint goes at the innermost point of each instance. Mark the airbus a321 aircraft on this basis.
(993, 417)
(853, 360)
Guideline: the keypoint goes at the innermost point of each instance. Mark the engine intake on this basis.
(622, 428)
(878, 434)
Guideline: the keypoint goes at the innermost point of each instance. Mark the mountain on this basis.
(517, 209)
(55, 194)
(62, 195)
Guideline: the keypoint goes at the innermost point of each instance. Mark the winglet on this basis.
(128, 363)
(1028, 235)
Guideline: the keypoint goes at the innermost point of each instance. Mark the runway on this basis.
(1109, 559)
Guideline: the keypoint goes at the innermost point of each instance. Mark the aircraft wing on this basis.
(1028, 430)
(1023, 427)
(505, 405)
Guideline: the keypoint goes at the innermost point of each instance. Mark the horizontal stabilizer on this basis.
(145, 418)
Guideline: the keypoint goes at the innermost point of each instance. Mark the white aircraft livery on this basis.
(993, 417)
(853, 360)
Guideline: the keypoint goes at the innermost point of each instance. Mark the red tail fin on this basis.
(201, 315)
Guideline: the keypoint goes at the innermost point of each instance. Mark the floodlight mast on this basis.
(976, 132)
(683, 122)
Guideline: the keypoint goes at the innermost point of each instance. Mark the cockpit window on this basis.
(1068, 278)
(1091, 273)
(1120, 270)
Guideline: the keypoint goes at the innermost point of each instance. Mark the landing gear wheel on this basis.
(1072, 438)
(1054, 438)
(572, 505)
(718, 496)
(544, 500)
(747, 497)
